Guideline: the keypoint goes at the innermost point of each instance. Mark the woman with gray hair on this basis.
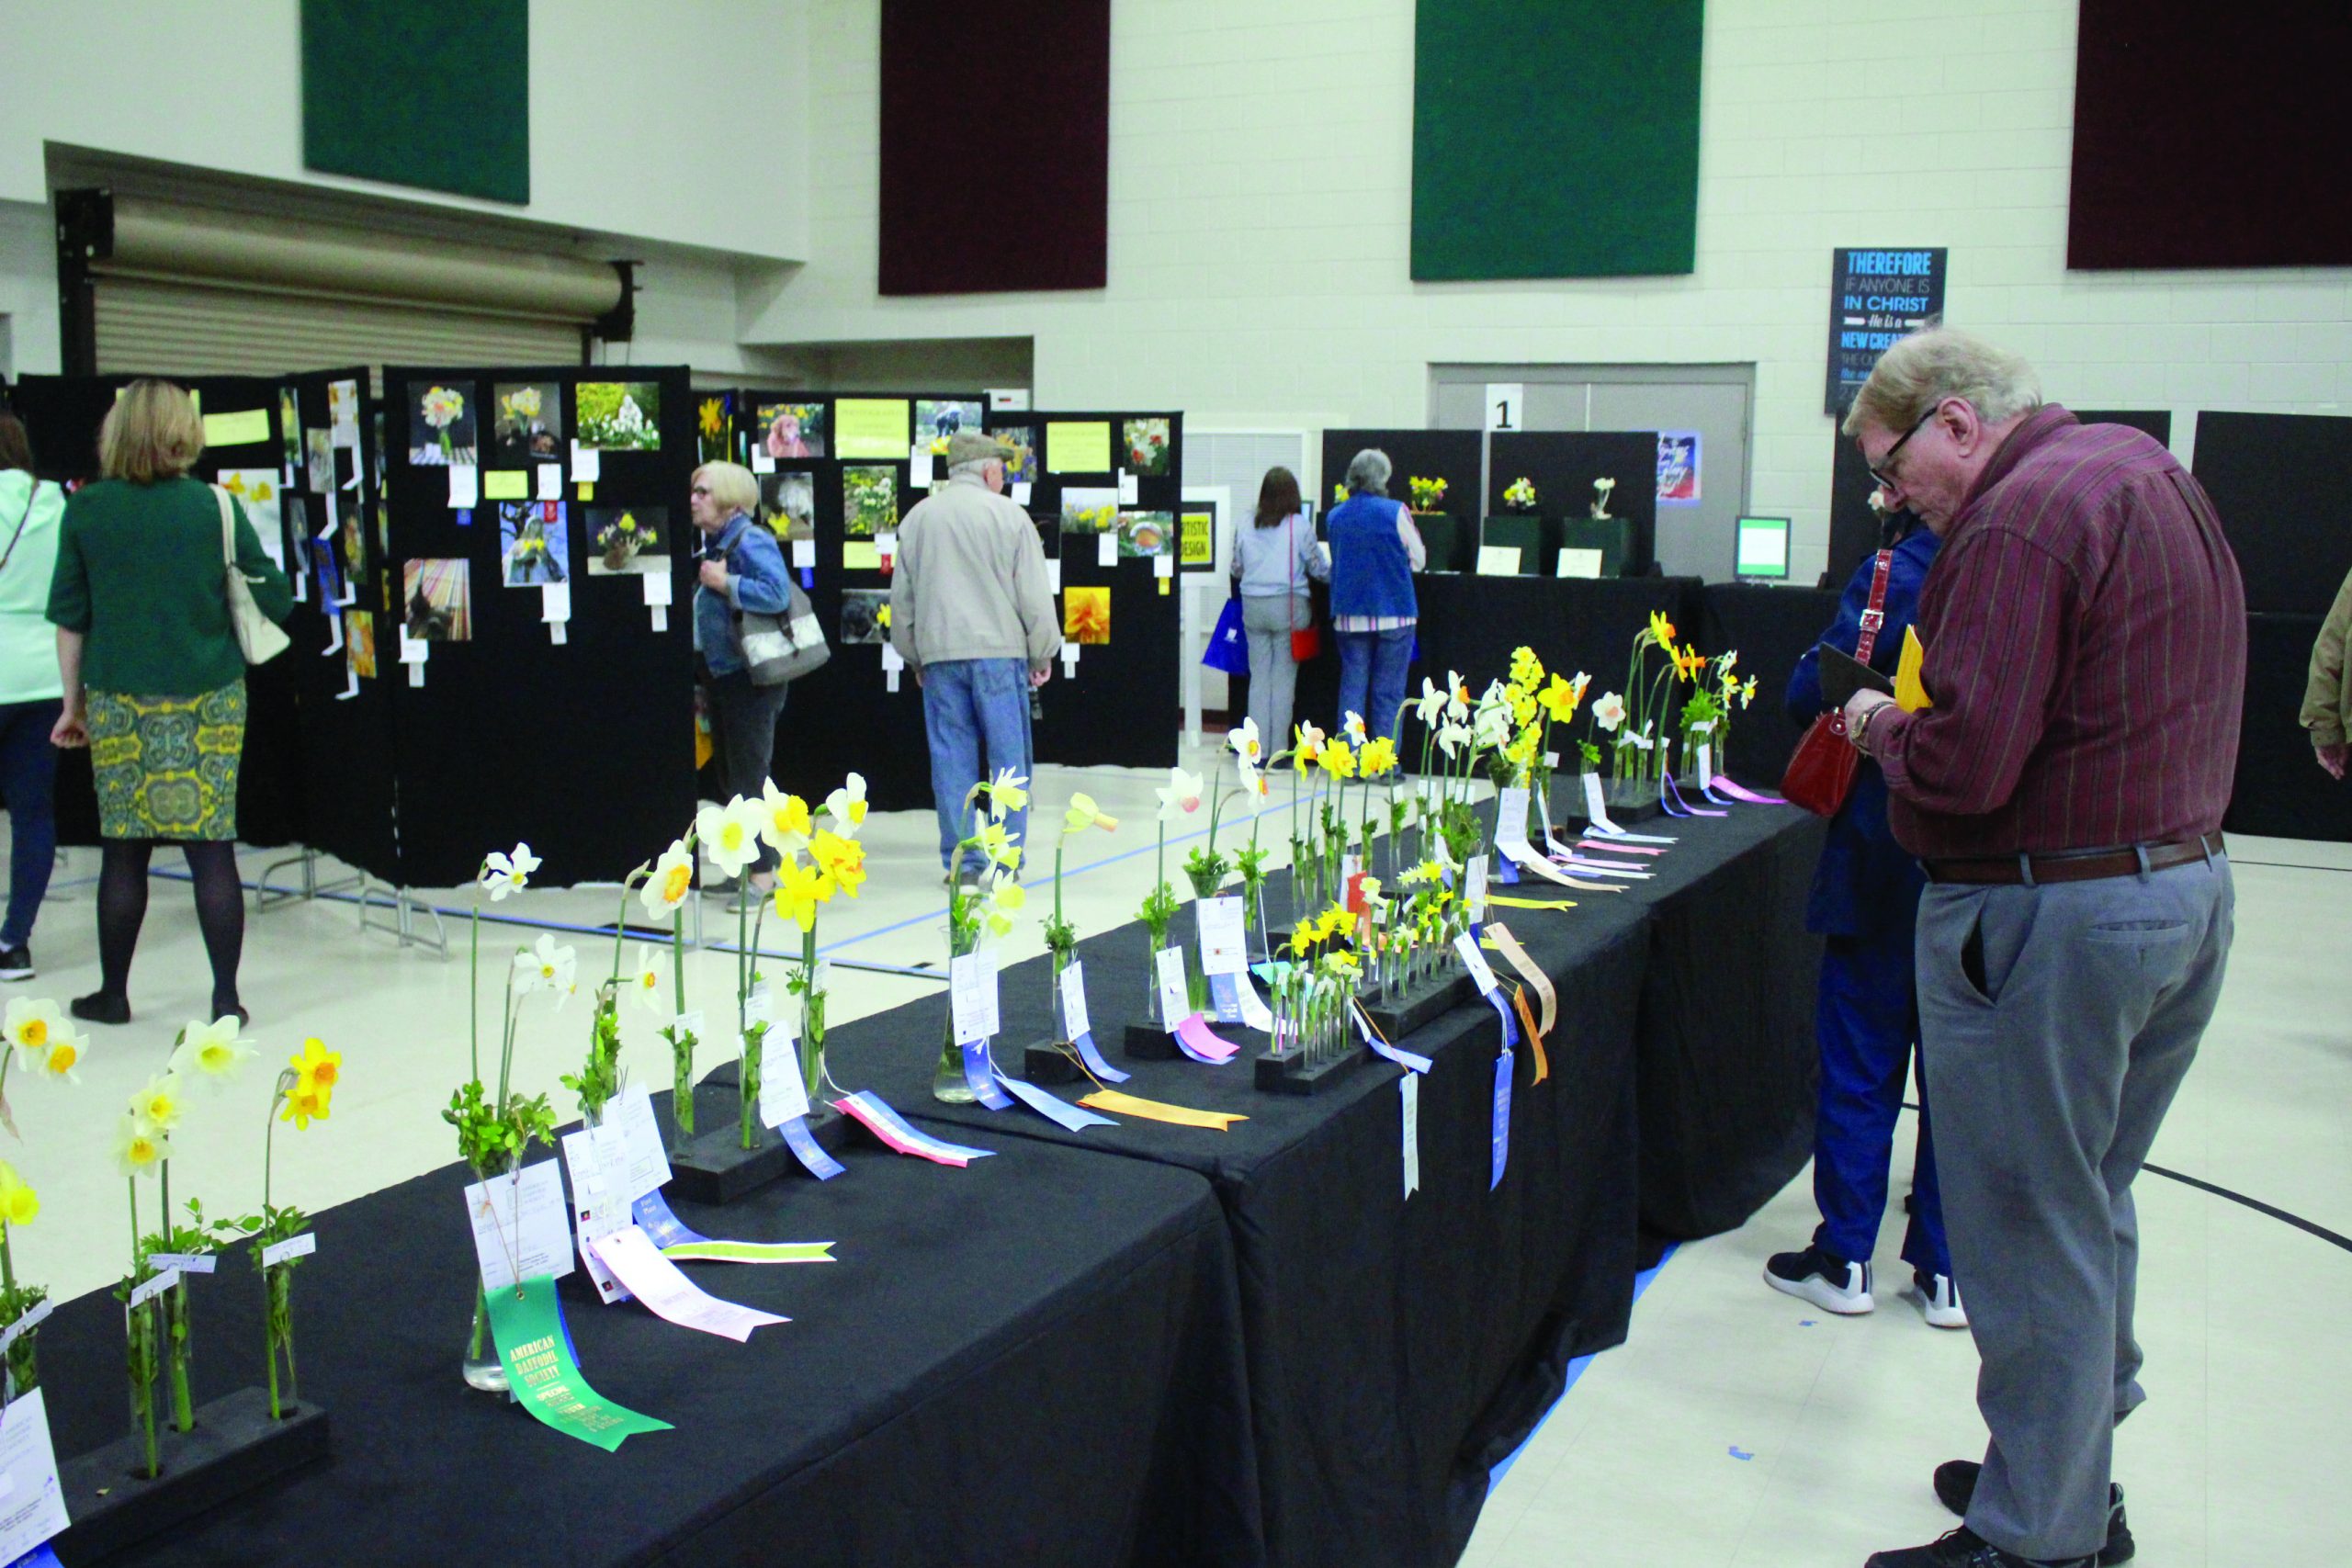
(1375, 549)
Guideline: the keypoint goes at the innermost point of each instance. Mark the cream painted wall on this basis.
(681, 122)
(1260, 177)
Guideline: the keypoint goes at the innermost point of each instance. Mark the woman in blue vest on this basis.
(1375, 549)
(1865, 903)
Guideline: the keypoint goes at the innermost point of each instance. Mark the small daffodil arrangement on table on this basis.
(834, 865)
(1061, 937)
(989, 905)
(1180, 799)
(1520, 494)
(663, 895)
(1250, 765)
(42, 1033)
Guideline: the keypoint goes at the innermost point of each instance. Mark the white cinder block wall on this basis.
(1260, 185)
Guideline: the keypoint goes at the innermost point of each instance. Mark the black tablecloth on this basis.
(1035, 1359)
(1769, 628)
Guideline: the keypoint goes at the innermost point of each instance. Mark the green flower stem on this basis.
(176, 1332)
(682, 1040)
(812, 1031)
(473, 990)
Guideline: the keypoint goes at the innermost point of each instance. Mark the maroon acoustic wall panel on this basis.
(2203, 137)
(996, 146)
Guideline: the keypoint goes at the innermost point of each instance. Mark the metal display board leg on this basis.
(268, 896)
(404, 907)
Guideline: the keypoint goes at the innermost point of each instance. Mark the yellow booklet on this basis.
(1909, 695)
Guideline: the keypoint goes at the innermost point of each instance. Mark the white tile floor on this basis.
(1735, 1427)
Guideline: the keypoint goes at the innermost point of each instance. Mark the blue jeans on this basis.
(28, 782)
(1372, 671)
(971, 706)
(1866, 1018)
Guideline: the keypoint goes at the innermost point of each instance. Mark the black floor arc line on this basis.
(2256, 1205)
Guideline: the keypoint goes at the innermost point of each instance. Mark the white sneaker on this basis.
(1828, 1282)
(1939, 1301)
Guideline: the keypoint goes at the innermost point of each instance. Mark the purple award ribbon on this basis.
(807, 1150)
(1679, 807)
(1741, 791)
(1092, 1054)
(653, 1217)
(980, 1080)
(895, 1131)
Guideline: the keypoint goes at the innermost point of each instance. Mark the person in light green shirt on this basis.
(29, 690)
(154, 681)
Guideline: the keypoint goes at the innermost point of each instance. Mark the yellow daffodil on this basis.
(502, 874)
(160, 1104)
(1689, 663)
(1306, 743)
(1006, 898)
(1337, 761)
(730, 833)
(209, 1054)
(1661, 629)
(1000, 845)
(799, 889)
(1378, 757)
(784, 819)
(1559, 699)
(1302, 939)
(63, 1056)
(1082, 814)
(711, 414)
(1526, 670)
(1522, 705)
(19, 1205)
(304, 1106)
(35, 1025)
(846, 806)
(670, 882)
(321, 1068)
(1007, 793)
(543, 967)
(1747, 692)
(645, 978)
(842, 859)
(139, 1148)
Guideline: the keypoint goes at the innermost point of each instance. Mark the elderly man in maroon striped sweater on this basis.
(2085, 629)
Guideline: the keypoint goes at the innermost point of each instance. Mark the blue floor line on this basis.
(1576, 1369)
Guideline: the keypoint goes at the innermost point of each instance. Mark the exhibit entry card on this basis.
(630, 1254)
(519, 1226)
(249, 428)
(504, 484)
(32, 1504)
(871, 427)
(540, 1372)
(1500, 560)
(1077, 447)
(1579, 563)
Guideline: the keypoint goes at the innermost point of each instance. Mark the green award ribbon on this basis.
(542, 1374)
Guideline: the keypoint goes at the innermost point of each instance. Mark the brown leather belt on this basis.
(2072, 865)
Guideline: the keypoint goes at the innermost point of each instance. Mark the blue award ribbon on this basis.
(880, 1109)
(1227, 998)
(653, 1217)
(1054, 1107)
(980, 1080)
(808, 1151)
(1502, 1119)
(1092, 1054)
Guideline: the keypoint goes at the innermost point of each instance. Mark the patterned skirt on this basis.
(167, 766)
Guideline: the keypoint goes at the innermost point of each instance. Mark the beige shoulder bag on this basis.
(260, 638)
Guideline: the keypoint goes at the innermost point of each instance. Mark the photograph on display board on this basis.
(343, 413)
(376, 428)
(714, 427)
(1148, 450)
(1147, 533)
(533, 539)
(360, 643)
(936, 419)
(792, 430)
(629, 541)
(866, 615)
(1678, 467)
(320, 449)
(355, 538)
(620, 416)
(526, 422)
(869, 501)
(1090, 511)
(256, 490)
(1086, 616)
(289, 427)
(298, 535)
(440, 425)
(1022, 466)
(328, 570)
(788, 503)
(438, 593)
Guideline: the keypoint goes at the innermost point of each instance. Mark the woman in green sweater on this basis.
(154, 681)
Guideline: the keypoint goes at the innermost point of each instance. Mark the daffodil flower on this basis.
(1559, 699)
(1245, 742)
(1006, 898)
(1378, 757)
(1000, 845)
(1451, 737)
(34, 1025)
(1661, 629)
(842, 859)
(19, 1205)
(1082, 814)
(645, 978)
(730, 833)
(847, 806)
(1337, 761)
(1609, 711)
(304, 1106)
(318, 1070)
(159, 1105)
(1526, 670)
(1008, 792)
(139, 1148)
(671, 882)
(1181, 797)
(502, 874)
(784, 819)
(544, 967)
(210, 1053)
(1430, 704)
(64, 1054)
(1457, 698)
(1352, 726)
(799, 889)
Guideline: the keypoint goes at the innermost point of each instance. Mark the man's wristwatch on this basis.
(1862, 730)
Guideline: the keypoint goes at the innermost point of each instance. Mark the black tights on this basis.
(219, 912)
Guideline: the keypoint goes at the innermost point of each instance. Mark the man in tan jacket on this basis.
(2328, 702)
(972, 615)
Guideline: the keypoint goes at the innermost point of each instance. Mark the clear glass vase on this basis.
(140, 1361)
(1156, 937)
(947, 1084)
(483, 1368)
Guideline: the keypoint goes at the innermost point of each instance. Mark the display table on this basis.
(1035, 1359)
(1770, 627)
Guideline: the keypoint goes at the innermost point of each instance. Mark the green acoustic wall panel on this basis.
(1556, 137)
(434, 94)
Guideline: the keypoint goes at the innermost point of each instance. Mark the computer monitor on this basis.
(1762, 553)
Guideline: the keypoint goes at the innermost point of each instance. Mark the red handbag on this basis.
(1305, 641)
(1820, 771)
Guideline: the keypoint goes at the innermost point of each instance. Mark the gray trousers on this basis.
(2056, 1023)
(1273, 675)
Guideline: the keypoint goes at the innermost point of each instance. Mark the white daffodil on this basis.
(210, 1053)
(847, 806)
(1182, 797)
(1491, 723)
(1353, 726)
(1007, 792)
(730, 834)
(1451, 737)
(784, 819)
(34, 1024)
(544, 967)
(1246, 742)
(1457, 698)
(1000, 845)
(645, 978)
(1609, 711)
(159, 1106)
(1430, 704)
(139, 1149)
(671, 882)
(502, 874)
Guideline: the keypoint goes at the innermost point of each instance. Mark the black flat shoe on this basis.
(1955, 1484)
(100, 1008)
